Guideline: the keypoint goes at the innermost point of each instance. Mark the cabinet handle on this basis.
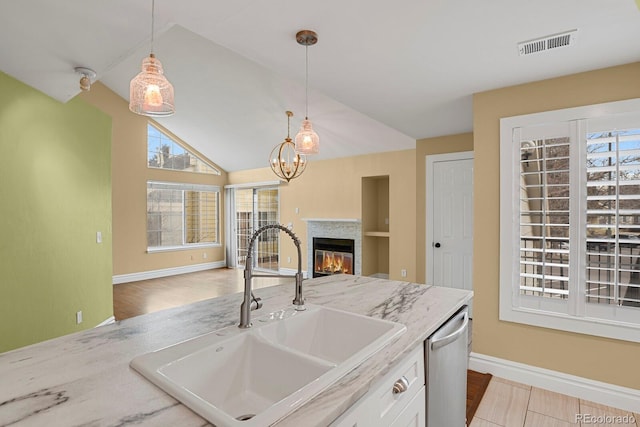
(401, 385)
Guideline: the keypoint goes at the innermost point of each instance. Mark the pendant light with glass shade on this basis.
(150, 93)
(307, 141)
(285, 162)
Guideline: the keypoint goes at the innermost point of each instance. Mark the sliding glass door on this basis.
(254, 208)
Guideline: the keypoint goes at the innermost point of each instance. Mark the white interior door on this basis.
(450, 220)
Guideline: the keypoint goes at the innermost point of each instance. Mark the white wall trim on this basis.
(255, 184)
(596, 391)
(292, 272)
(154, 274)
(358, 220)
(109, 321)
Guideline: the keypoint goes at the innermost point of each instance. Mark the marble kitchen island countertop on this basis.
(84, 379)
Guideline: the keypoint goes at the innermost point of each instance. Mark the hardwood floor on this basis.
(477, 384)
(147, 296)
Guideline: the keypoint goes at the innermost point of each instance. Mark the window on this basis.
(182, 215)
(165, 153)
(570, 220)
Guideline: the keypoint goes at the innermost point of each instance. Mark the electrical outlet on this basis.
(289, 259)
(297, 210)
(403, 272)
(99, 237)
(204, 255)
(79, 317)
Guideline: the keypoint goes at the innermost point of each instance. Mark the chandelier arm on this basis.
(284, 173)
(297, 165)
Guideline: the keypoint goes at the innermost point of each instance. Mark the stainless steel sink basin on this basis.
(253, 377)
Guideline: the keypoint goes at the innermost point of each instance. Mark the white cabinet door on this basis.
(359, 415)
(381, 406)
(388, 404)
(414, 414)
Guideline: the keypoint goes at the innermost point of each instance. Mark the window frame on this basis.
(567, 314)
(185, 187)
(213, 170)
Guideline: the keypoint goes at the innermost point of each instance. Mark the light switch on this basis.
(99, 237)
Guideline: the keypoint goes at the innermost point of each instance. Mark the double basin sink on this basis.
(254, 377)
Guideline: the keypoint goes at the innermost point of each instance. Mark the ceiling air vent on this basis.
(542, 44)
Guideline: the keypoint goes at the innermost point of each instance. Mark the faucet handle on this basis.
(256, 302)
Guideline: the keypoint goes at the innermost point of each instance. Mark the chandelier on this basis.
(285, 162)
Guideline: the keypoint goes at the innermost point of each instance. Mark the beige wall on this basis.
(427, 147)
(611, 361)
(129, 177)
(333, 189)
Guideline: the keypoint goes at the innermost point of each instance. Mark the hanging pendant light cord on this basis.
(306, 83)
(153, 12)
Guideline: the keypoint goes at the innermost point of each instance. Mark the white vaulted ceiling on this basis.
(383, 74)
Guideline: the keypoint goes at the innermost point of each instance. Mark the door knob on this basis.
(437, 245)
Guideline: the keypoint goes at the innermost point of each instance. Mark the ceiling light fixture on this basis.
(150, 93)
(307, 141)
(88, 76)
(284, 160)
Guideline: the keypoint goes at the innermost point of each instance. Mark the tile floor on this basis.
(510, 404)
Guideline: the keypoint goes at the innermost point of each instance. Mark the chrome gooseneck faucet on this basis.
(250, 301)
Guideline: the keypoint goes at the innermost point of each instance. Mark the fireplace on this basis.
(332, 256)
(337, 229)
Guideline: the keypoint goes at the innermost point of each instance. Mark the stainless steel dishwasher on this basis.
(446, 362)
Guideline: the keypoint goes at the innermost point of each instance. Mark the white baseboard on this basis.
(292, 272)
(154, 274)
(571, 385)
(109, 321)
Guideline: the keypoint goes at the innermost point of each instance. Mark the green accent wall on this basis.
(55, 194)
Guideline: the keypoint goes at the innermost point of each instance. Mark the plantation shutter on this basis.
(544, 215)
(613, 213)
